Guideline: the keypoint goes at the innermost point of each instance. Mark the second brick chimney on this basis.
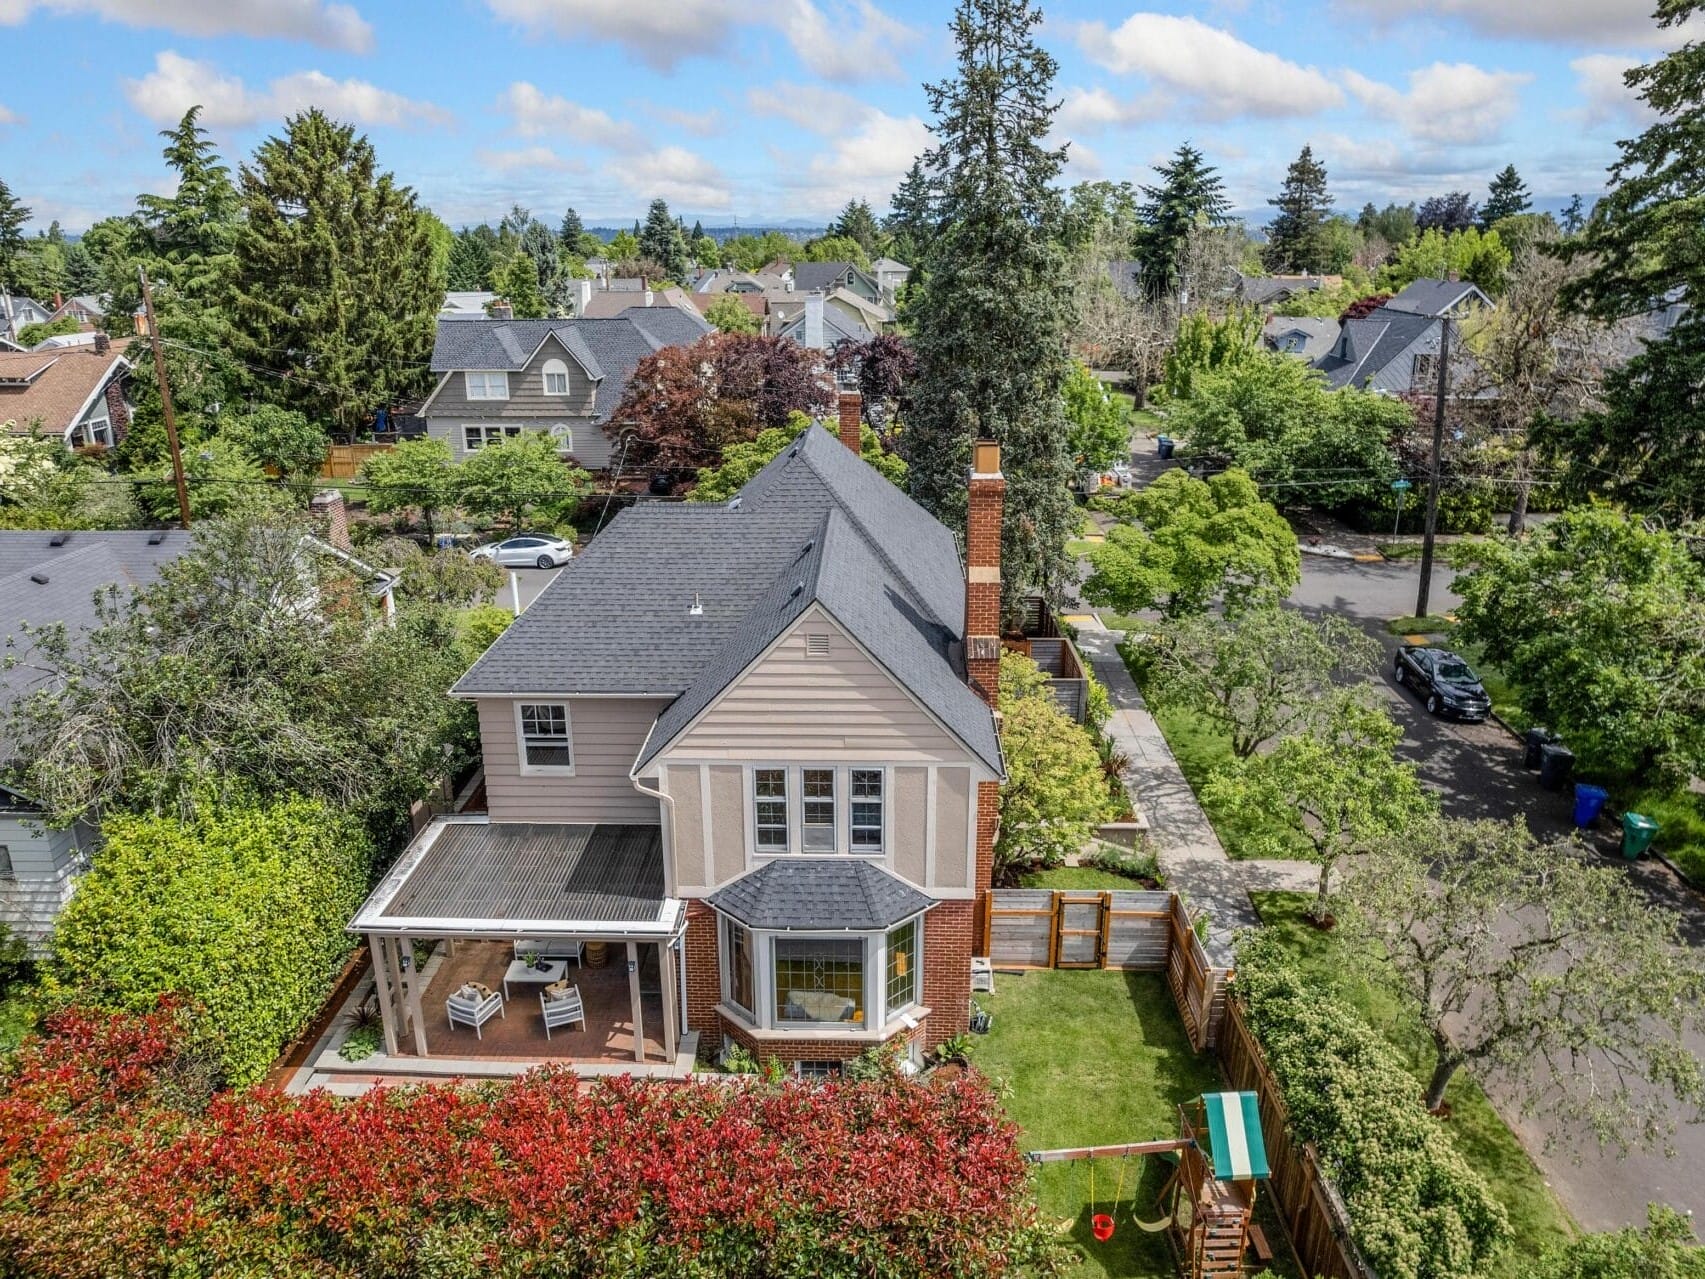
(852, 413)
(327, 504)
(983, 571)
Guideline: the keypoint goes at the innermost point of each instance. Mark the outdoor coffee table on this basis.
(549, 970)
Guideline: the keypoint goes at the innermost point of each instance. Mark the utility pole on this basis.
(165, 400)
(1433, 480)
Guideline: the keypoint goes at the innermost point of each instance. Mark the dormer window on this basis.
(556, 377)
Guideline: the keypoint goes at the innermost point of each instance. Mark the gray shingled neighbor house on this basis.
(749, 747)
(499, 377)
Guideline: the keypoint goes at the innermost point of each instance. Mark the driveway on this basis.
(528, 583)
(1477, 771)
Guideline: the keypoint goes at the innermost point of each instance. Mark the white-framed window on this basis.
(865, 816)
(819, 981)
(543, 731)
(476, 435)
(818, 1070)
(487, 386)
(817, 810)
(769, 809)
(804, 982)
(739, 968)
(7, 870)
(902, 985)
(1424, 372)
(556, 377)
(95, 431)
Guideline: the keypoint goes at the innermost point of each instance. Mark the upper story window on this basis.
(1424, 371)
(544, 734)
(556, 377)
(817, 810)
(487, 386)
(866, 814)
(769, 792)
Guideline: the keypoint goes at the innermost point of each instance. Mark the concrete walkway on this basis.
(1189, 852)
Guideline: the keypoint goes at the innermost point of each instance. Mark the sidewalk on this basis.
(1189, 852)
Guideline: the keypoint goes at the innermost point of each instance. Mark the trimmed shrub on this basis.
(104, 1172)
(239, 909)
(1417, 1209)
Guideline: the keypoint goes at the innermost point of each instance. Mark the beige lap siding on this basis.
(605, 734)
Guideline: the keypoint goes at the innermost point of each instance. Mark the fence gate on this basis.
(1080, 930)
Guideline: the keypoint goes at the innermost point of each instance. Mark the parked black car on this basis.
(1446, 683)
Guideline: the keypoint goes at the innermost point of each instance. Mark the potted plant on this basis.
(531, 959)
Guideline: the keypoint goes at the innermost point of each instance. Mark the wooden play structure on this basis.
(1208, 1202)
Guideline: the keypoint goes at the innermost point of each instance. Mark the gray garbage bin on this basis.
(1533, 741)
(1555, 764)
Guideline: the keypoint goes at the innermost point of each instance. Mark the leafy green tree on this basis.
(1337, 785)
(281, 439)
(1098, 425)
(990, 320)
(241, 908)
(856, 222)
(623, 247)
(1182, 544)
(336, 289)
(1505, 198)
(477, 628)
(1595, 620)
(1395, 223)
(1055, 792)
(472, 259)
(752, 252)
(417, 475)
(42, 486)
(662, 241)
(1204, 344)
(1666, 1249)
(730, 315)
(512, 478)
(517, 283)
(1453, 211)
(1296, 237)
(1555, 979)
(744, 459)
(538, 242)
(1260, 673)
(1188, 194)
(1479, 257)
(13, 216)
(1342, 243)
(834, 248)
(30, 334)
(220, 477)
(447, 577)
(705, 250)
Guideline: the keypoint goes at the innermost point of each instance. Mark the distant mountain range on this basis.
(797, 228)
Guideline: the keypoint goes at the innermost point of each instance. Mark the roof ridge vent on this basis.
(697, 610)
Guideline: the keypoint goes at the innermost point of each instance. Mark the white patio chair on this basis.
(473, 1005)
(562, 1008)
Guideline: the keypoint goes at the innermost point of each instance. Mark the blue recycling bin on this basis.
(1589, 803)
(1164, 445)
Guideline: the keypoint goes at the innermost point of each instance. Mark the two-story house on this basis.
(74, 392)
(754, 743)
(500, 377)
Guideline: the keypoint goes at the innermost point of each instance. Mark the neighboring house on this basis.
(84, 308)
(1307, 337)
(756, 303)
(826, 277)
(755, 744)
(1275, 290)
(890, 275)
(16, 312)
(564, 377)
(1439, 298)
(593, 302)
(74, 392)
(816, 323)
(743, 282)
(1391, 351)
(466, 305)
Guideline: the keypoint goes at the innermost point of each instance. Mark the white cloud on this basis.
(177, 83)
(1095, 110)
(1451, 102)
(866, 164)
(810, 106)
(1222, 75)
(1564, 21)
(678, 176)
(537, 114)
(658, 32)
(335, 26)
(526, 160)
(701, 124)
(1598, 79)
(856, 41)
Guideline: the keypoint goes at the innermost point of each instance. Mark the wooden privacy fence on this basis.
(1128, 930)
(343, 461)
(1315, 1217)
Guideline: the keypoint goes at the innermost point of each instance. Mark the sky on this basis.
(784, 109)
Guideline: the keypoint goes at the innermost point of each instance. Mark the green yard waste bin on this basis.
(1637, 833)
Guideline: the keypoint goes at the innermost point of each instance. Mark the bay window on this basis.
(902, 986)
(819, 981)
(741, 983)
(786, 981)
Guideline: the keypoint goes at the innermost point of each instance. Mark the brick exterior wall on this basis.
(704, 978)
(988, 825)
(118, 412)
(986, 499)
(852, 412)
(328, 505)
(948, 941)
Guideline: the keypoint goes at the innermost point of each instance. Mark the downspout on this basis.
(676, 946)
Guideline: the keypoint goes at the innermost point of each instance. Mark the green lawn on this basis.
(1076, 877)
(1092, 1058)
(1433, 624)
(1681, 821)
(1482, 1137)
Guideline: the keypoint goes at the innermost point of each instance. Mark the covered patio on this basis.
(585, 904)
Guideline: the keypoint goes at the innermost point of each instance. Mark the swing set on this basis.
(1208, 1200)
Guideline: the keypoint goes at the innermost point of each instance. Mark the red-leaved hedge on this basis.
(113, 1161)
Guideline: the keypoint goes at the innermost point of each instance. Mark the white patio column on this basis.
(638, 1013)
(411, 988)
(382, 989)
(666, 969)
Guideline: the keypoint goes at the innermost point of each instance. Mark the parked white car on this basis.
(528, 550)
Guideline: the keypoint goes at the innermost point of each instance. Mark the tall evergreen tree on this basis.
(662, 242)
(1572, 219)
(570, 231)
(857, 222)
(1507, 196)
(991, 320)
(912, 221)
(198, 221)
(698, 232)
(1296, 237)
(335, 286)
(471, 259)
(1189, 194)
(13, 215)
(517, 283)
(1644, 248)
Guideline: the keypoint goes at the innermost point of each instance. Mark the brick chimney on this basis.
(327, 504)
(1453, 277)
(852, 413)
(983, 571)
(501, 311)
(103, 343)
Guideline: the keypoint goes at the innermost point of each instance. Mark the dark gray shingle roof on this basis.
(828, 892)
(1429, 297)
(668, 325)
(1374, 341)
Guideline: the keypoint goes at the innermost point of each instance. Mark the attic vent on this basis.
(816, 646)
(697, 610)
(806, 549)
(154, 539)
(40, 579)
(733, 504)
(59, 539)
